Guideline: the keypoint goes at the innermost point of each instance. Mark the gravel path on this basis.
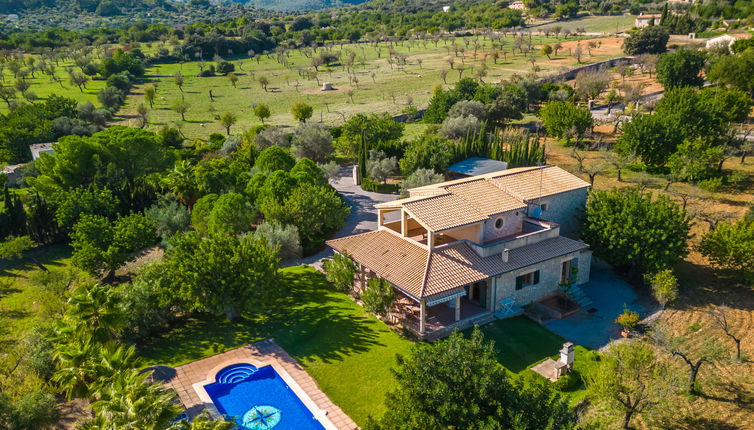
(363, 216)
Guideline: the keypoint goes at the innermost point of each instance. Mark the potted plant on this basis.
(628, 320)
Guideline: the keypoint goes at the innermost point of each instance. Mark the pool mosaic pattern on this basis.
(259, 399)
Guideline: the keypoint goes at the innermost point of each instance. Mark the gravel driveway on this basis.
(363, 216)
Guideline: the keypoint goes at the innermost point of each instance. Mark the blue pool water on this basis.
(259, 399)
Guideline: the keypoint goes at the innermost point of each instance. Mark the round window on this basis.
(499, 223)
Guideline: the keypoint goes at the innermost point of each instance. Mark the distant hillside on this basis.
(125, 7)
(290, 5)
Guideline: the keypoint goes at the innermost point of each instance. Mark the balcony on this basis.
(532, 231)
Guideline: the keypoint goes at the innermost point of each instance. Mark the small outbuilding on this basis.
(474, 166)
(642, 20)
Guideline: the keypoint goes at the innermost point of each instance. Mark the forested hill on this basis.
(126, 7)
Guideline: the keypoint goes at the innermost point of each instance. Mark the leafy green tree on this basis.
(231, 213)
(180, 107)
(308, 171)
(731, 246)
(629, 380)
(373, 129)
(301, 111)
(681, 68)
(317, 211)
(726, 104)
(120, 158)
(274, 158)
(653, 138)
(695, 160)
(227, 120)
(201, 212)
(649, 40)
(378, 296)
(691, 112)
(735, 70)
(340, 270)
(458, 383)
(564, 120)
(426, 152)
(312, 141)
(420, 178)
(664, 285)
(282, 238)
(71, 205)
(99, 245)
(222, 274)
(130, 401)
(635, 232)
(262, 111)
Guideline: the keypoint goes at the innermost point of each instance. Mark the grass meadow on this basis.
(379, 87)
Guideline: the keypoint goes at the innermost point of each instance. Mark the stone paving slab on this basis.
(266, 351)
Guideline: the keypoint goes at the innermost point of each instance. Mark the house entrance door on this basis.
(477, 293)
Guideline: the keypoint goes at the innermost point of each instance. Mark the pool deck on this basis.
(266, 351)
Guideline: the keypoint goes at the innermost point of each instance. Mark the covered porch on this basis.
(428, 316)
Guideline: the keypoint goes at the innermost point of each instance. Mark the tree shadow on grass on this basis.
(316, 322)
(312, 321)
(49, 256)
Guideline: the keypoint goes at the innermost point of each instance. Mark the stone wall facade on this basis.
(564, 209)
(504, 286)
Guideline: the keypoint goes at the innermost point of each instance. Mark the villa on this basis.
(642, 20)
(468, 250)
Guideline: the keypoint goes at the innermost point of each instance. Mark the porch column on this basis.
(404, 223)
(422, 315)
(431, 239)
(380, 217)
(458, 308)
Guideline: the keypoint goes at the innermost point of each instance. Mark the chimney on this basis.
(506, 254)
(566, 354)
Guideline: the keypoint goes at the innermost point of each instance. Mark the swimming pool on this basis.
(259, 399)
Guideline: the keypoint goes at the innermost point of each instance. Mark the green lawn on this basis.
(347, 351)
(521, 343)
(22, 303)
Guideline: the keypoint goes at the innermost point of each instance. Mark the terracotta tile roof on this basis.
(424, 274)
(398, 260)
(444, 212)
(400, 202)
(532, 184)
(485, 197)
(464, 201)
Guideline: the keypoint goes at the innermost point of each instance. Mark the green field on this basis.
(381, 86)
(42, 86)
(595, 24)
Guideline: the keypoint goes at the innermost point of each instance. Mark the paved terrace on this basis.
(264, 351)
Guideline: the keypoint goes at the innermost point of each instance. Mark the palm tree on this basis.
(111, 360)
(182, 183)
(203, 422)
(93, 308)
(130, 401)
(74, 374)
